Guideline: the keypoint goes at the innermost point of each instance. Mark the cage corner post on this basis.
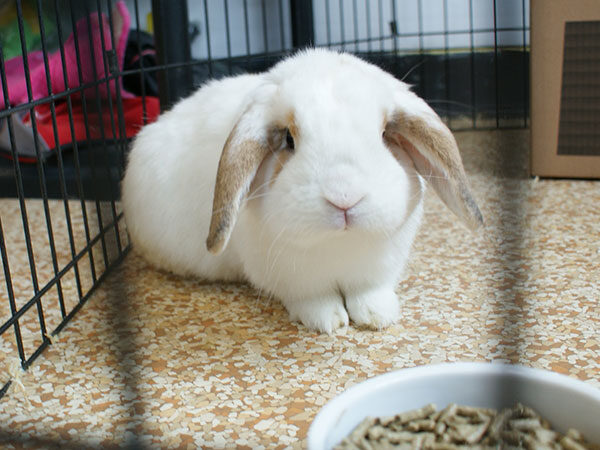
(303, 31)
(173, 50)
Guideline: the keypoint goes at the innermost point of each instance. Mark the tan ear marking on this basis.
(237, 168)
(439, 141)
(291, 124)
(293, 130)
(283, 156)
(435, 154)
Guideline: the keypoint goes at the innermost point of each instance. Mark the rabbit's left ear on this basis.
(244, 150)
(415, 128)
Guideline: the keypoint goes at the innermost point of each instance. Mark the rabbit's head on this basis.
(330, 146)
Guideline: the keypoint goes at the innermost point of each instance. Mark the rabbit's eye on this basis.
(289, 140)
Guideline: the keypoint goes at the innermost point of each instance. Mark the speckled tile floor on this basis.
(157, 361)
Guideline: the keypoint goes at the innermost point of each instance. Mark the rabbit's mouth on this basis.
(343, 213)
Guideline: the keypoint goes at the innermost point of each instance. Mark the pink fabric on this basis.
(17, 88)
(15, 76)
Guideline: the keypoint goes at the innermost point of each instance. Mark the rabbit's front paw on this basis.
(325, 314)
(376, 308)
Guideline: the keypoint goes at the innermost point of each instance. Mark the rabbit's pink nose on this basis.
(344, 206)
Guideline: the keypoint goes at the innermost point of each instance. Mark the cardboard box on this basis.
(565, 88)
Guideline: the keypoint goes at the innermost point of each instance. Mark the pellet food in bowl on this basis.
(561, 403)
(459, 426)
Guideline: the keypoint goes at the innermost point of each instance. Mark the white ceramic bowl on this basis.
(565, 402)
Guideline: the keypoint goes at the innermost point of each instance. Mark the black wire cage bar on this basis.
(75, 92)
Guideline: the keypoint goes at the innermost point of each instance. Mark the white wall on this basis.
(264, 30)
(275, 12)
(372, 17)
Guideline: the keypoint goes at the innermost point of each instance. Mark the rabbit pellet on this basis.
(458, 427)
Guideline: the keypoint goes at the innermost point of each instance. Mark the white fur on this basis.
(289, 240)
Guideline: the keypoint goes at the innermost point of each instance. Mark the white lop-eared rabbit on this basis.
(306, 180)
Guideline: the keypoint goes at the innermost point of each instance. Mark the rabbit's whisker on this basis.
(416, 66)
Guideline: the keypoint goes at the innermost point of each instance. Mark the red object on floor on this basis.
(133, 120)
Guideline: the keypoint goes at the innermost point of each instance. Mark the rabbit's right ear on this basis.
(415, 128)
(244, 150)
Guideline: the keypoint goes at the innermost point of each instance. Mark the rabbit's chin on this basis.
(327, 279)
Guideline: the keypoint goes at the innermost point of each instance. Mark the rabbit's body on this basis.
(288, 175)
(175, 160)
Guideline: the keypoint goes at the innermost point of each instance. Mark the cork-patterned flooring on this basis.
(153, 360)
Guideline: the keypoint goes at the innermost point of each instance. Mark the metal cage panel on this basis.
(75, 92)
